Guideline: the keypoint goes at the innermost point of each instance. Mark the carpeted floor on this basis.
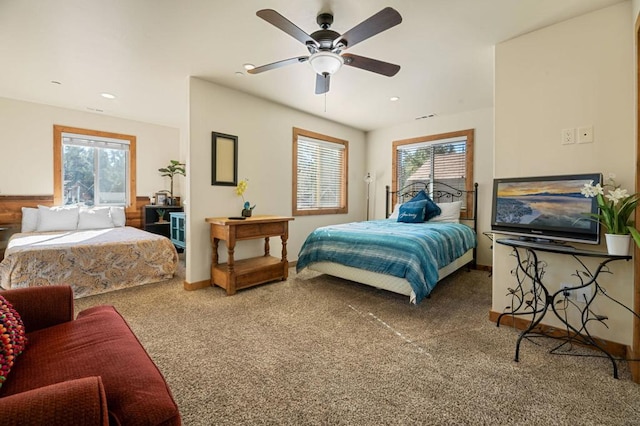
(319, 350)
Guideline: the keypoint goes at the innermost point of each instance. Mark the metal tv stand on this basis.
(532, 297)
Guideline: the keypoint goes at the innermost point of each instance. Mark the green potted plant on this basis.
(161, 213)
(174, 168)
(616, 209)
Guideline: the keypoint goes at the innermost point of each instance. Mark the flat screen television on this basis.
(546, 208)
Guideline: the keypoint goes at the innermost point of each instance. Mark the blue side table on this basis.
(178, 227)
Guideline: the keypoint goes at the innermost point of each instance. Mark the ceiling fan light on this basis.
(325, 62)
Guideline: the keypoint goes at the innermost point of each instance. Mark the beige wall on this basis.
(26, 138)
(576, 73)
(379, 151)
(264, 131)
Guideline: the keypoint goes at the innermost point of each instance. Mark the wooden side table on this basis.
(235, 275)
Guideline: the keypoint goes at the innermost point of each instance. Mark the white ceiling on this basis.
(143, 51)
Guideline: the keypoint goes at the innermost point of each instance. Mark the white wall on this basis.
(576, 73)
(264, 131)
(26, 138)
(379, 152)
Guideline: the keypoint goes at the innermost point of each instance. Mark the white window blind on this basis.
(320, 166)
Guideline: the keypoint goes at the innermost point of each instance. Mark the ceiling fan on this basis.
(325, 46)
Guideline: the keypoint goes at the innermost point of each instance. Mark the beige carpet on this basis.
(319, 350)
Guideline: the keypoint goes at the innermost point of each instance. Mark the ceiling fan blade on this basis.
(381, 21)
(322, 83)
(279, 21)
(373, 65)
(263, 68)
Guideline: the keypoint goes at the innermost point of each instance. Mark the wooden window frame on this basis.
(57, 160)
(344, 207)
(467, 213)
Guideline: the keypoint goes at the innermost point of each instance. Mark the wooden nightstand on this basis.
(235, 275)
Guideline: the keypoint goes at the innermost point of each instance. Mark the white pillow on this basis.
(396, 210)
(61, 218)
(118, 216)
(450, 212)
(95, 218)
(29, 219)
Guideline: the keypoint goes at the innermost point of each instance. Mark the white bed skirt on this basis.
(382, 281)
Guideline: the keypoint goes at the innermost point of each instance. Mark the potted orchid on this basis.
(616, 209)
(240, 189)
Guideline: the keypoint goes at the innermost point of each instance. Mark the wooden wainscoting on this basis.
(11, 213)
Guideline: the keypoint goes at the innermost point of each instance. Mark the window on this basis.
(445, 159)
(319, 174)
(93, 168)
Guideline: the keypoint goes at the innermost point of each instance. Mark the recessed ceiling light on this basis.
(248, 66)
(108, 95)
(394, 98)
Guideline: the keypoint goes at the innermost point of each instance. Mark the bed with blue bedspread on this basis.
(392, 254)
(407, 258)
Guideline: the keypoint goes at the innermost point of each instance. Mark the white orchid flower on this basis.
(616, 195)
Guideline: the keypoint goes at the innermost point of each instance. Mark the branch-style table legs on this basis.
(532, 298)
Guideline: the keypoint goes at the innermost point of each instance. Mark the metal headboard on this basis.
(442, 193)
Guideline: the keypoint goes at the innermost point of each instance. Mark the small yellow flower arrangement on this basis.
(240, 190)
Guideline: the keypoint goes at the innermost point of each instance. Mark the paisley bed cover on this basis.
(414, 251)
(91, 261)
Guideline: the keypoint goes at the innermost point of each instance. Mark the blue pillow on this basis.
(431, 209)
(412, 212)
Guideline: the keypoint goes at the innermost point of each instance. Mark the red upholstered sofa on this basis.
(87, 371)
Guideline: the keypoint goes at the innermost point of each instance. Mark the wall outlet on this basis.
(568, 136)
(580, 295)
(566, 293)
(583, 294)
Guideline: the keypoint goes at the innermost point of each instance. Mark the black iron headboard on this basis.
(441, 193)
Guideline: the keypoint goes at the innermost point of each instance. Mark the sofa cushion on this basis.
(12, 338)
(98, 343)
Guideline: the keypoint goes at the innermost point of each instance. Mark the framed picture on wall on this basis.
(224, 159)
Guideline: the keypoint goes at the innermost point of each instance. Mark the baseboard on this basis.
(197, 285)
(616, 349)
(487, 268)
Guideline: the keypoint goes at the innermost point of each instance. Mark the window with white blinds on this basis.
(93, 168)
(320, 164)
(438, 162)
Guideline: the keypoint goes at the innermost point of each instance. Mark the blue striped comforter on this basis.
(414, 251)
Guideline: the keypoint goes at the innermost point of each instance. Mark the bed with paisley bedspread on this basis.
(92, 261)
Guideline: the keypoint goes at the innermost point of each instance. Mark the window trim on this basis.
(467, 213)
(344, 208)
(58, 130)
